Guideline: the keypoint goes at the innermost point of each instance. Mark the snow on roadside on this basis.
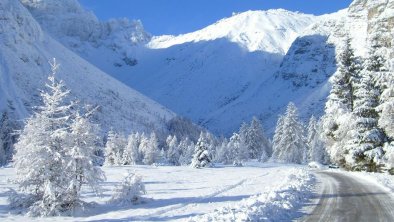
(277, 204)
(382, 179)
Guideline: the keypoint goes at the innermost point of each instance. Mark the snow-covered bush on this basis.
(130, 190)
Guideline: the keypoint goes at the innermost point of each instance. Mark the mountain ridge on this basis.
(23, 69)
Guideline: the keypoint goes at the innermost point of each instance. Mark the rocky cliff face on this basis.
(380, 25)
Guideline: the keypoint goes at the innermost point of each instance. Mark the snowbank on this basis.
(278, 203)
(382, 179)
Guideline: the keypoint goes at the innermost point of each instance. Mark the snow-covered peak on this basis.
(271, 31)
(67, 18)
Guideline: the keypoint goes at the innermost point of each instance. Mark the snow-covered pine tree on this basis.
(383, 75)
(150, 148)
(8, 136)
(187, 150)
(386, 122)
(210, 143)
(84, 142)
(201, 157)
(254, 139)
(3, 157)
(341, 95)
(131, 155)
(277, 136)
(173, 152)
(365, 148)
(222, 152)
(386, 107)
(316, 146)
(237, 150)
(310, 138)
(289, 145)
(388, 158)
(114, 148)
(338, 118)
(41, 155)
(110, 149)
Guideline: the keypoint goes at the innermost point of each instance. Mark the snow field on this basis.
(280, 202)
(187, 194)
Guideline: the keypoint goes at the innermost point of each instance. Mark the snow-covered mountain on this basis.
(198, 75)
(25, 49)
(272, 31)
(252, 63)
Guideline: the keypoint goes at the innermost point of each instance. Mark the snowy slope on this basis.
(197, 74)
(24, 51)
(252, 63)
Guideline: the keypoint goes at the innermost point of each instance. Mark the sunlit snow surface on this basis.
(184, 193)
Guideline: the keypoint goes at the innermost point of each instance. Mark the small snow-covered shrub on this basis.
(130, 191)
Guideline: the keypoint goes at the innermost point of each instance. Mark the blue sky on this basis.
(182, 16)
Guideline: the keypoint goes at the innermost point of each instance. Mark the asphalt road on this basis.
(345, 198)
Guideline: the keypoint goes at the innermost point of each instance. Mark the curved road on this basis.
(345, 198)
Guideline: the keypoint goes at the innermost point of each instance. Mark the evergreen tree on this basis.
(277, 136)
(42, 143)
(84, 142)
(201, 157)
(290, 145)
(254, 139)
(3, 157)
(187, 150)
(365, 147)
(223, 153)
(210, 142)
(173, 153)
(237, 150)
(341, 98)
(48, 156)
(316, 148)
(114, 149)
(150, 147)
(338, 118)
(7, 136)
(131, 154)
